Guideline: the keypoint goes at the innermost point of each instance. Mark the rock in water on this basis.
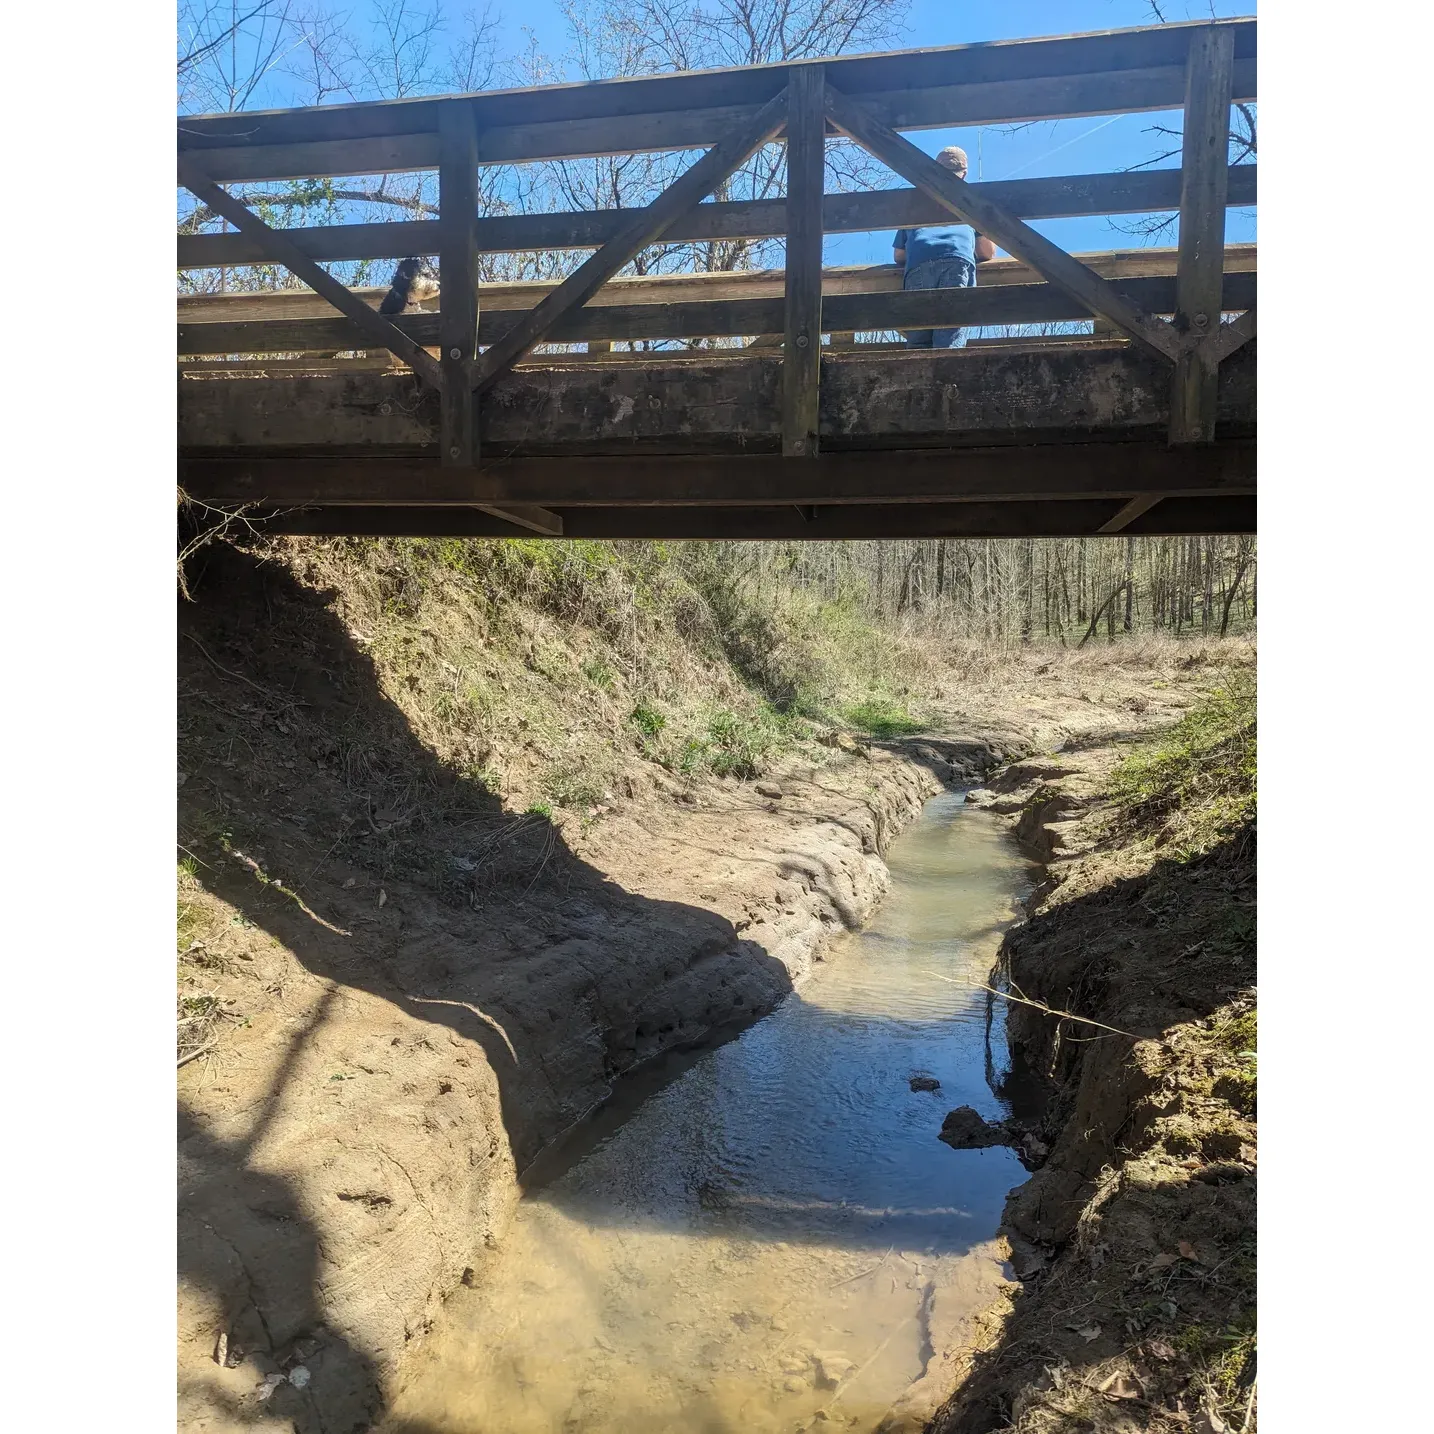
(832, 1367)
(922, 1082)
(965, 1129)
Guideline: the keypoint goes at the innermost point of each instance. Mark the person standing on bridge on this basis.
(941, 257)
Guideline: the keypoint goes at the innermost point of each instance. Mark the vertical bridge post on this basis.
(1200, 270)
(806, 174)
(458, 282)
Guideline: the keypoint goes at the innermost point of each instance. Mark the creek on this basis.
(751, 1240)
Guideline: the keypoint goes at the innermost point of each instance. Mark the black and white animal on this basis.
(413, 284)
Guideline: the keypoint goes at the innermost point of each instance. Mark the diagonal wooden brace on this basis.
(1215, 349)
(646, 226)
(283, 251)
(1101, 297)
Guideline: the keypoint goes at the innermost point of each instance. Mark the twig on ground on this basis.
(874, 1356)
(1250, 1408)
(871, 1271)
(185, 1060)
(239, 676)
(468, 1006)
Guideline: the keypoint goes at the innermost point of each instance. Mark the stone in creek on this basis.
(832, 1367)
(965, 1129)
(925, 1083)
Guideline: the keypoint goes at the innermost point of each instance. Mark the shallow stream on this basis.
(754, 1246)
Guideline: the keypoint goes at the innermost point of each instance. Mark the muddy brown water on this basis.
(754, 1246)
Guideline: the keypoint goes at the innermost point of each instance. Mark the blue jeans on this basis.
(939, 274)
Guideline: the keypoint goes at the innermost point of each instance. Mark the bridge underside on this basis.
(1042, 439)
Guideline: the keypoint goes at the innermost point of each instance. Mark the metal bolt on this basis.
(455, 353)
(385, 408)
(1201, 320)
(802, 341)
(455, 452)
(799, 445)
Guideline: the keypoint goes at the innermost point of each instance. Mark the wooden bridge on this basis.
(327, 417)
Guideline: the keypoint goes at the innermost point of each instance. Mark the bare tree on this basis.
(228, 48)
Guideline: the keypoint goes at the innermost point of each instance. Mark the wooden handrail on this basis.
(693, 288)
(1111, 72)
(1058, 197)
(842, 313)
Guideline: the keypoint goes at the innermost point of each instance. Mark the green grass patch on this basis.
(647, 719)
(1194, 784)
(881, 717)
(599, 674)
(572, 785)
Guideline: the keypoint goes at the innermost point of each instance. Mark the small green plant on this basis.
(599, 674)
(882, 717)
(541, 809)
(647, 719)
(738, 745)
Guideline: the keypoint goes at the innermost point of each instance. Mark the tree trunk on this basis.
(1097, 615)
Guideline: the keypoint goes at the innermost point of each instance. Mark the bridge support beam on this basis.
(1200, 271)
(806, 172)
(458, 282)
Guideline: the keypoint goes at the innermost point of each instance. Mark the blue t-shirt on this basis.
(943, 241)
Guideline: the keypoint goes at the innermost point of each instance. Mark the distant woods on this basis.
(1063, 590)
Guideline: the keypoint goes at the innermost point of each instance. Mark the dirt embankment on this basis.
(400, 992)
(1135, 1235)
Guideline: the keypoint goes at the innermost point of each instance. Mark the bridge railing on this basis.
(482, 330)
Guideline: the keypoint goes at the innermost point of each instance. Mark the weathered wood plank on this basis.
(1238, 332)
(802, 342)
(535, 520)
(458, 277)
(1205, 147)
(1134, 192)
(685, 288)
(1076, 518)
(647, 225)
(1011, 473)
(915, 308)
(1053, 263)
(889, 400)
(372, 324)
(1140, 503)
(1028, 79)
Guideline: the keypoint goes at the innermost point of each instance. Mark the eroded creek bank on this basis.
(413, 999)
(1135, 1237)
(411, 991)
(776, 1237)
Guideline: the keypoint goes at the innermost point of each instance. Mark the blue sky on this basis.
(1065, 147)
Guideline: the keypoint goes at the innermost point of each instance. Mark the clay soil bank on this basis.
(1135, 1236)
(396, 990)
